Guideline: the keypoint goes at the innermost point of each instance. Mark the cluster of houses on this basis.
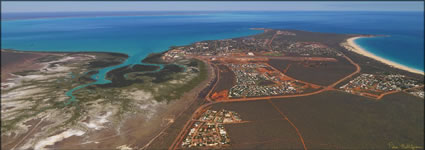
(380, 83)
(280, 32)
(209, 131)
(259, 43)
(248, 91)
(311, 48)
(173, 54)
(250, 81)
(418, 93)
(211, 48)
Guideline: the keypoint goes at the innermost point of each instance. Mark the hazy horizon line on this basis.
(224, 11)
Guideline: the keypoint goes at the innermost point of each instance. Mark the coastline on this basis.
(64, 52)
(356, 48)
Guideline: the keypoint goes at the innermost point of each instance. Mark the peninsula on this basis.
(279, 89)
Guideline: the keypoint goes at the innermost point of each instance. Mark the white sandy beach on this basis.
(363, 52)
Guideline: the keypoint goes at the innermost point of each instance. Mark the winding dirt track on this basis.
(189, 123)
(270, 43)
(290, 122)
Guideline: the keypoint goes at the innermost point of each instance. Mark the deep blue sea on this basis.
(140, 33)
(155, 31)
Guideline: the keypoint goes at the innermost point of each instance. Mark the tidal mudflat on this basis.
(37, 113)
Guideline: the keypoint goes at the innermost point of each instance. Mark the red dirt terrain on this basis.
(13, 61)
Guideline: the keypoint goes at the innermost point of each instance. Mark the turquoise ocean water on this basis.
(142, 34)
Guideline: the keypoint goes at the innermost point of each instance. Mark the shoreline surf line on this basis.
(358, 49)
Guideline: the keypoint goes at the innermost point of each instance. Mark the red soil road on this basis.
(290, 78)
(222, 95)
(286, 69)
(290, 122)
(414, 88)
(392, 92)
(293, 58)
(270, 43)
(185, 129)
(266, 58)
(216, 71)
(405, 90)
(198, 111)
(378, 97)
(330, 87)
(187, 126)
(349, 76)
